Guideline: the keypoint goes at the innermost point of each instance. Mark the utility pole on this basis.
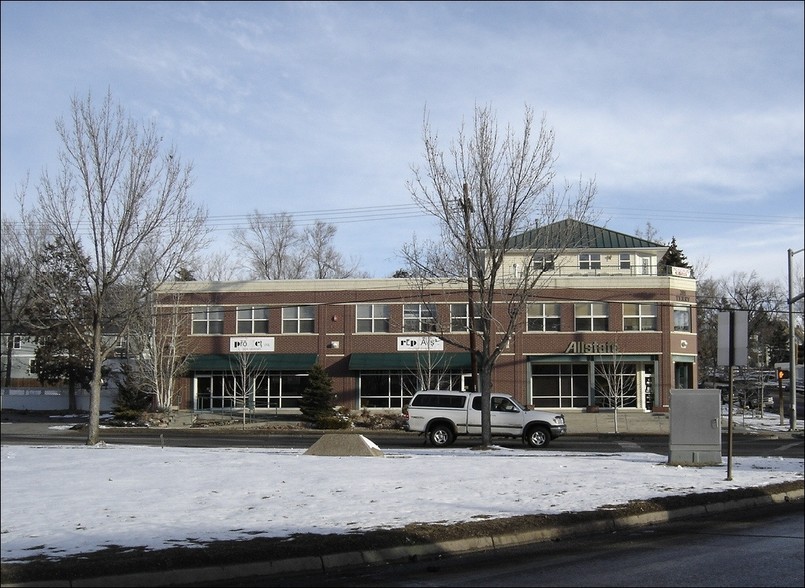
(792, 339)
(467, 206)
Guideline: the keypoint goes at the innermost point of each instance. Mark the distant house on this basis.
(26, 392)
(606, 298)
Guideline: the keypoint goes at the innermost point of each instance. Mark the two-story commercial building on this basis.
(606, 302)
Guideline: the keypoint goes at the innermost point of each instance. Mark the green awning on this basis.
(405, 360)
(261, 361)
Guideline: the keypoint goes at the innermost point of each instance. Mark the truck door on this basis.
(505, 417)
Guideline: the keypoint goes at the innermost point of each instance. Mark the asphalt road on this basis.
(763, 547)
(38, 432)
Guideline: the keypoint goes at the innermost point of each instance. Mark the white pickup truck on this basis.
(443, 415)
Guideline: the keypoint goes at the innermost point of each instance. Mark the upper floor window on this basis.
(459, 321)
(208, 320)
(252, 319)
(543, 316)
(682, 318)
(640, 317)
(299, 319)
(419, 318)
(589, 261)
(625, 261)
(592, 316)
(372, 318)
(543, 262)
(17, 342)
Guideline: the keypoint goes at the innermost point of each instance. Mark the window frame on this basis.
(252, 321)
(378, 321)
(597, 315)
(211, 317)
(299, 320)
(543, 262)
(686, 311)
(547, 320)
(645, 321)
(589, 261)
(423, 319)
(459, 323)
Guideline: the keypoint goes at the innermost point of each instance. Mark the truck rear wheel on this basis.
(441, 436)
(538, 437)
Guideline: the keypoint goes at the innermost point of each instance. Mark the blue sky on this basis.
(689, 115)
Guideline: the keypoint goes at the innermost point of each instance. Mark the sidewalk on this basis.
(628, 423)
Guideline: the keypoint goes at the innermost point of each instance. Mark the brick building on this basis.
(607, 307)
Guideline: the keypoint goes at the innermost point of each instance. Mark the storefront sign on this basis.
(251, 344)
(595, 347)
(419, 344)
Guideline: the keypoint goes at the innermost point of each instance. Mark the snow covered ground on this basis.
(63, 500)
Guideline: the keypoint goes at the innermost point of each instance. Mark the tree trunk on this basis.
(9, 355)
(94, 428)
(485, 388)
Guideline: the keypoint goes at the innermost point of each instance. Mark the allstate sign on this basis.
(419, 344)
(251, 344)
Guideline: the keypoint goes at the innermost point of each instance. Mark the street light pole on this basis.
(792, 339)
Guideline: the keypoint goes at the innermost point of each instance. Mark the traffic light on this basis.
(780, 375)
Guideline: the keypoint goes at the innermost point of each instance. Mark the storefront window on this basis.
(564, 385)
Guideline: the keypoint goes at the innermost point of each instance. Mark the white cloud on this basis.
(318, 106)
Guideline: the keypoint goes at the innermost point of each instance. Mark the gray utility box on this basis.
(695, 428)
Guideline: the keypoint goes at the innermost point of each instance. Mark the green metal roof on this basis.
(261, 361)
(572, 234)
(408, 360)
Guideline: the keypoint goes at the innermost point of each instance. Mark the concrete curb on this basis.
(604, 522)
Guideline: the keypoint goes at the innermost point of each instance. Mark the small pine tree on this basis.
(318, 400)
(131, 401)
(674, 257)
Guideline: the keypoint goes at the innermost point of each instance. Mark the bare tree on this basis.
(272, 244)
(20, 242)
(488, 199)
(162, 352)
(277, 250)
(244, 371)
(613, 380)
(326, 261)
(219, 266)
(708, 305)
(765, 301)
(649, 233)
(126, 201)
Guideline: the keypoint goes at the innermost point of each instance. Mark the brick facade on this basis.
(543, 368)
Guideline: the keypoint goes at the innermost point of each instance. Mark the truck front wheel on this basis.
(441, 436)
(538, 437)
